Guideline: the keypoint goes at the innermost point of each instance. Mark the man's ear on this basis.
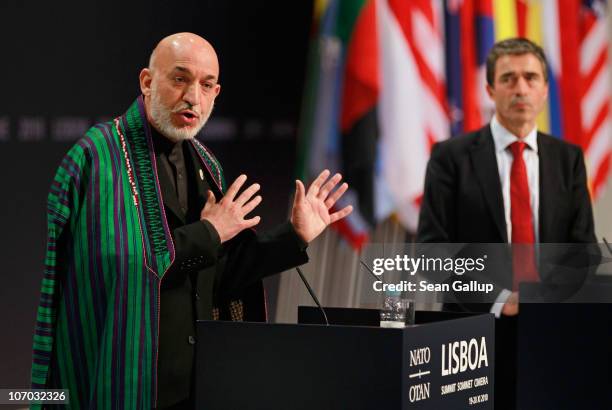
(145, 81)
(217, 89)
(490, 91)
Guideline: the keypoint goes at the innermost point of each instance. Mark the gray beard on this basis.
(162, 120)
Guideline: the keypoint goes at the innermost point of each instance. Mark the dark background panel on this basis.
(66, 65)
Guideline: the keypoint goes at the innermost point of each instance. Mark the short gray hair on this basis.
(514, 46)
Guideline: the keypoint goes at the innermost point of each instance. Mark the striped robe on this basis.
(108, 249)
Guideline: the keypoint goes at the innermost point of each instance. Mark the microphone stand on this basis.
(312, 294)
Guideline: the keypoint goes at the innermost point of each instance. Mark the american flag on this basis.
(575, 39)
(594, 92)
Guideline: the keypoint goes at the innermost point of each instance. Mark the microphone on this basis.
(371, 271)
(312, 294)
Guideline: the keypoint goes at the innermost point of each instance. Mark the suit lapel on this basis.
(549, 184)
(484, 163)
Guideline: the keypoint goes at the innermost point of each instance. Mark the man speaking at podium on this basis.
(145, 238)
(507, 182)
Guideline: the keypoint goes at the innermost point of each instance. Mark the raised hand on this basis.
(310, 213)
(227, 215)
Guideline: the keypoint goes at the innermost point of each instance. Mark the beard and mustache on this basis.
(162, 118)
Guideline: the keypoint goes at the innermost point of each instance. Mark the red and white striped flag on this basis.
(584, 80)
(596, 135)
(413, 112)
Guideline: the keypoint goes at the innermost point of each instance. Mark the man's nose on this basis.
(521, 86)
(192, 94)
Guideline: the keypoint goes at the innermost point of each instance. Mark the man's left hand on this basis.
(310, 213)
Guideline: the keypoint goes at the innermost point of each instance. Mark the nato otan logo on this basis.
(459, 356)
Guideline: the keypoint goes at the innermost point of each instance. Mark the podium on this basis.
(565, 349)
(444, 361)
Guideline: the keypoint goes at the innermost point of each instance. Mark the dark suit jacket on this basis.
(463, 201)
(206, 275)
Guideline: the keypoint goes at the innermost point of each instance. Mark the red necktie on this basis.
(523, 256)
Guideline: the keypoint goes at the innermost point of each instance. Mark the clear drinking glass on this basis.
(396, 312)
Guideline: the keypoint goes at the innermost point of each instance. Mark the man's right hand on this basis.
(227, 215)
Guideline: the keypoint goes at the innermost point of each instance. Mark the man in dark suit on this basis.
(507, 182)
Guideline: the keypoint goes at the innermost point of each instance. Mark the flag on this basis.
(594, 92)
(469, 37)
(338, 129)
(375, 102)
(414, 112)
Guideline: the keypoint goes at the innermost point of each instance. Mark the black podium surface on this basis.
(565, 351)
(243, 365)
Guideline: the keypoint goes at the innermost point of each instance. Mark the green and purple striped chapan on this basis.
(108, 249)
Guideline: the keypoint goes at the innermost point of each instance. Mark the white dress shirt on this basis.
(502, 138)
